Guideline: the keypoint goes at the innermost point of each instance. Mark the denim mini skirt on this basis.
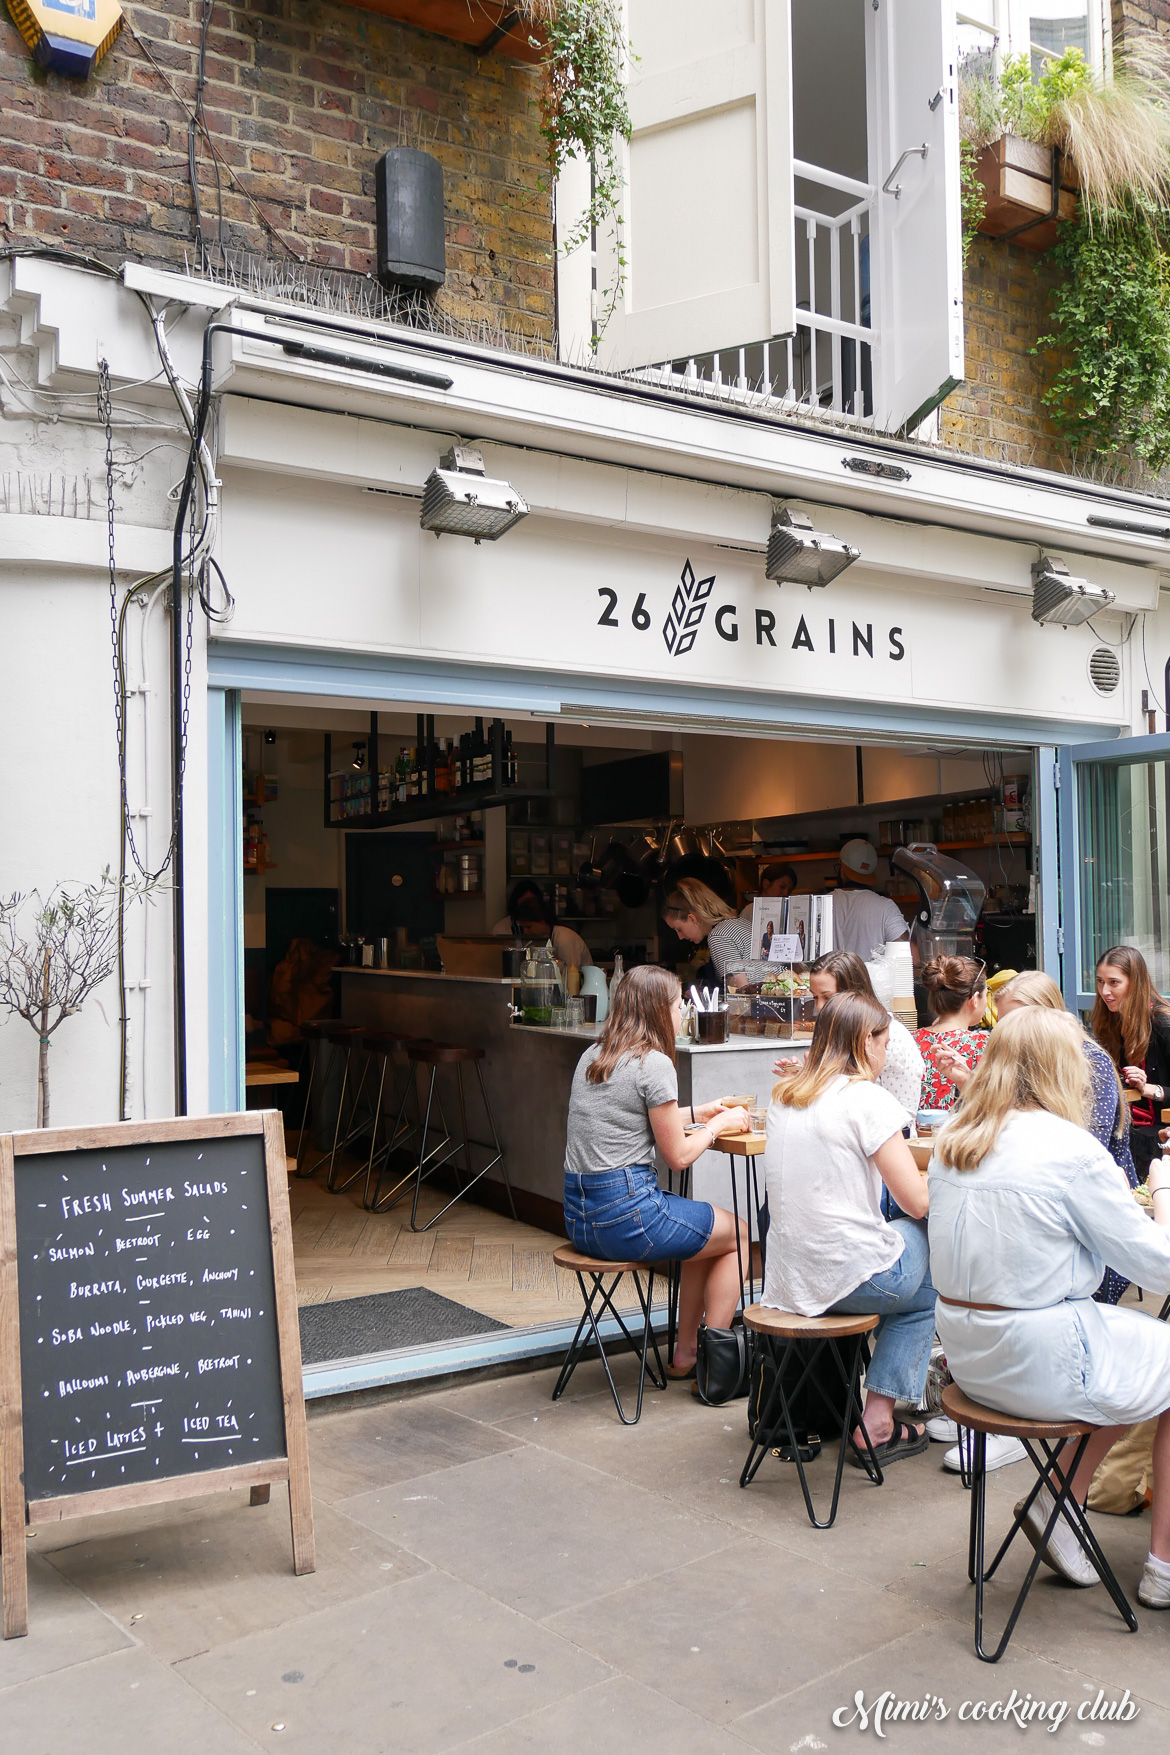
(623, 1215)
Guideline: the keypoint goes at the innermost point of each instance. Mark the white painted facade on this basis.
(926, 641)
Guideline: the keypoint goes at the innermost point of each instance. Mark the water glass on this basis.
(557, 1017)
(575, 1013)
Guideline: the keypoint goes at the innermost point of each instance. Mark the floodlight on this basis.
(1058, 596)
(804, 556)
(460, 500)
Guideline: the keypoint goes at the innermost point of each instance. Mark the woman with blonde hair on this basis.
(624, 1105)
(1131, 1021)
(1025, 1209)
(695, 912)
(834, 1136)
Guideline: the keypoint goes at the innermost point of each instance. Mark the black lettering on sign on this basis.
(897, 649)
(832, 635)
(725, 611)
(607, 619)
(765, 622)
(641, 615)
(803, 637)
(122, 1382)
(860, 639)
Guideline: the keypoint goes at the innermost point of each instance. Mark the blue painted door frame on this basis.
(225, 902)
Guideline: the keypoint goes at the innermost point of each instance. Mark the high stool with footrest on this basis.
(1052, 1473)
(843, 1338)
(433, 1055)
(319, 1032)
(597, 1301)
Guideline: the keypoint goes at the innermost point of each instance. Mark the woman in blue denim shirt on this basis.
(623, 1107)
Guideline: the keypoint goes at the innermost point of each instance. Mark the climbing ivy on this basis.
(1111, 324)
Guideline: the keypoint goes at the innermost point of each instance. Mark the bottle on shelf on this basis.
(509, 760)
(443, 766)
(619, 969)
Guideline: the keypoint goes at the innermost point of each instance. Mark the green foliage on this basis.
(973, 195)
(1111, 319)
(584, 111)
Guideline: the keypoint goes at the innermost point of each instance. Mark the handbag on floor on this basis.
(723, 1365)
(817, 1407)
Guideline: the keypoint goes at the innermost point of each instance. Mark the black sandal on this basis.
(903, 1441)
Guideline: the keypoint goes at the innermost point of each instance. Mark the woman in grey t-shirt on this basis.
(624, 1106)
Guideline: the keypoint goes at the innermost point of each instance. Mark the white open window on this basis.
(916, 247)
(706, 228)
(1037, 28)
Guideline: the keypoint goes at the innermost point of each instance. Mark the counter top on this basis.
(429, 975)
(736, 1044)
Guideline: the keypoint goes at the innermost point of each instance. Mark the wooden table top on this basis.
(920, 1151)
(276, 1075)
(740, 1145)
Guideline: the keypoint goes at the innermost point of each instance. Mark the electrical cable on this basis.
(1160, 705)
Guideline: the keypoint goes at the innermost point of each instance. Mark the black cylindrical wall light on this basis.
(412, 241)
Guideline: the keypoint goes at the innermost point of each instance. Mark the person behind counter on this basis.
(956, 991)
(530, 915)
(775, 880)
(1025, 1210)
(1131, 1021)
(862, 918)
(624, 1104)
(833, 1138)
(696, 913)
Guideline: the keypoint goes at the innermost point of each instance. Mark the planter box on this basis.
(1017, 179)
(474, 22)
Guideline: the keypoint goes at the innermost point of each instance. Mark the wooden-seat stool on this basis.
(597, 1301)
(843, 1339)
(1052, 1437)
(433, 1055)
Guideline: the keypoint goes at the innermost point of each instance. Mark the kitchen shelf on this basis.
(458, 846)
(1010, 838)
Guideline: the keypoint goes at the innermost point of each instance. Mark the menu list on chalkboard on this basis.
(148, 1338)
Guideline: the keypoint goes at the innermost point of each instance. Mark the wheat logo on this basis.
(687, 608)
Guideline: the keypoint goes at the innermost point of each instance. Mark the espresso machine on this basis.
(950, 901)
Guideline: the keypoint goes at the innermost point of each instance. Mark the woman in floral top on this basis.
(956, 990)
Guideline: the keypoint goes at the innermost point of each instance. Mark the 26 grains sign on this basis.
(688, 608)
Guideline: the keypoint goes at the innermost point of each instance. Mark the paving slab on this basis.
(536, 1530)
(197, 1583)
(64, 1629)
(418, 1669)
(728, 1632)
(371, 1447)
(927, 1668)
(611, 1719)
(126, 1704)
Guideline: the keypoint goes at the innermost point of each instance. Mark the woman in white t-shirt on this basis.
(834, 1136)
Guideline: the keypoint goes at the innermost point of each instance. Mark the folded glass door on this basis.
(1114, 828)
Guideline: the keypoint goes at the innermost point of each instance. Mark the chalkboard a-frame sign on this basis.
(149, 1347)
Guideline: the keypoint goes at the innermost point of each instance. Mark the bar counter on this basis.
(528, 1071)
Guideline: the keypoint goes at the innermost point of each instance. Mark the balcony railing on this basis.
(828, 362)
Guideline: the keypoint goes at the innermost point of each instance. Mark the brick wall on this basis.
(1131, 18)
(997, 412)
(301, 99)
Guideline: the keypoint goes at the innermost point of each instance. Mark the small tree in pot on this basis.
(55, 950)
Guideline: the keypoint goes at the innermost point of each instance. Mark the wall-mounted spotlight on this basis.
(358, 759)
(1058, 596)
(801, 555)
(460, 500)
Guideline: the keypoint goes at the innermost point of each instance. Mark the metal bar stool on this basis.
(1051, 1472)
(597, 1301)
(825, 1333)
(316, 1032)
(347, 1039)
(434, 1055)
(385, 1045)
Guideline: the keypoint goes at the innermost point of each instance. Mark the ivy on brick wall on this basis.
(1111, 323)
(584, 112)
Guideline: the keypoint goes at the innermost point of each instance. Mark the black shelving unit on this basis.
(485, 795)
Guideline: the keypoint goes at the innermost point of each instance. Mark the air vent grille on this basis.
(1104, 670)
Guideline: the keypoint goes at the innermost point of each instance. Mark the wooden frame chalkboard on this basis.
(100, 1247)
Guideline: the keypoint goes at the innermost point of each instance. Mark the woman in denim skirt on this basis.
(624, 1106)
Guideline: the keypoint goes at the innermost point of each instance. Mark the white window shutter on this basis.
(575, 271)
(707, 224)
(916, 244)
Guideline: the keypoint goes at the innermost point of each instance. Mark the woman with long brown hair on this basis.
(844, 972)
(1131, 1021)
(834, 1136)
(1025, 1210)
(956, 992)
(624, 1106)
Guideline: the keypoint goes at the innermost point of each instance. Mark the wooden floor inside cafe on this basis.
(490, 1263)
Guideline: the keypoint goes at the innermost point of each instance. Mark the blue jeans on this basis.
(904, 1297)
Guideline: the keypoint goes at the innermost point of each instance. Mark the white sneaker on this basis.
(1153, 1591)
(940, 1430)
(1000, 1452)
(1064, 1553)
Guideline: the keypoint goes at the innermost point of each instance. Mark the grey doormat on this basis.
(385, 1320)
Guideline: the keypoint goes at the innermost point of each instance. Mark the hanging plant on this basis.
(584, 113)
(1111, 323)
